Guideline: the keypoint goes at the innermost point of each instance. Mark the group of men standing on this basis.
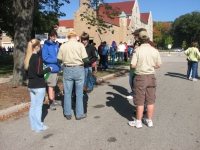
(77, 59)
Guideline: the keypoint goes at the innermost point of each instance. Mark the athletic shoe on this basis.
(52, 106)
(82, 117)
(148, 122)
(45, 128)
(194, 79)
(135, 123)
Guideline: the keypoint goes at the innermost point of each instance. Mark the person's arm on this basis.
(46, 56)
(60, 55)
(158, 61)
(93, 56)
(39, 68)
(134, 59)
(84, 55)
(186, 52)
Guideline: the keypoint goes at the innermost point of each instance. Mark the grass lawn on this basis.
(6, 65)
(165, 50)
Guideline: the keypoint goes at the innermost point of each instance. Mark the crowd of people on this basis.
(6, 51)
(77, 59)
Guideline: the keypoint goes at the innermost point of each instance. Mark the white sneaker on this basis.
(135, 123)
(148, 122)
(129, 97)
(45, 128)
(194, 79)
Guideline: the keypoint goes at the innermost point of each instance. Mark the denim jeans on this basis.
(121, 56)
(192, 65)
(73, 75)
(86, 95)
(112, 60)
(35, 111)
(105, 61)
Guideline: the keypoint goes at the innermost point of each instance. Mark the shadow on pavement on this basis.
(121, 105)
(120, 89)
(177, 75)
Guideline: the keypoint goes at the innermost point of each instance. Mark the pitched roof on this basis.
(125, 7)
(144, 17)
(66, 23)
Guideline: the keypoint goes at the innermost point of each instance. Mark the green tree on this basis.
(21, 19)
(17, 20)
(184, 44)
(187, 28)
(168, 41)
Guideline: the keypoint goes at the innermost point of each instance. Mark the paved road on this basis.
(176, 119)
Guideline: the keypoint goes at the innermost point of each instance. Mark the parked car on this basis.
(179, 49)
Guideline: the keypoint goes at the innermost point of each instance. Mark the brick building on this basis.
(129, 20)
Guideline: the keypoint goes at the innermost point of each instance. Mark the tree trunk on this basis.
(23, 20)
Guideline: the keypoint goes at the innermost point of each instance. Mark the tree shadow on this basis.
(177, 75)
(121, 105)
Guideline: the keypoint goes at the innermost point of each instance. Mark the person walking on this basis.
(73, 55)
(91, 52)
(36, 85)
(145, 60)
(193, 56)
(49, 55)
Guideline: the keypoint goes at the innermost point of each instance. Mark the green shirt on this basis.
(193, 54)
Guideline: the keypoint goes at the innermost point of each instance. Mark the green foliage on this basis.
(46, 15)
(186, 28)
(95, 13)
(168, 41)
(184, 44)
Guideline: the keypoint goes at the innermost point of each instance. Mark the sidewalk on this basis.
(13, 110)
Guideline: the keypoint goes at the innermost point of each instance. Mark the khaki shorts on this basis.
(52, 80)
(144, 89)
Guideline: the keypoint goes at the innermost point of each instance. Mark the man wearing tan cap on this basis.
(73, 55)
(145, 60)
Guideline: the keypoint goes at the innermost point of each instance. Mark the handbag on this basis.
(89, 82)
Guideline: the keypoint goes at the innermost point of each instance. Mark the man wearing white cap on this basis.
(73, 55)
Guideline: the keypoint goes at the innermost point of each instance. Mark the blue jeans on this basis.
(192, 65)
(105, 61)
(35, 112)
(121, 56)
(86, 95)
(73, 75)
(112, 60)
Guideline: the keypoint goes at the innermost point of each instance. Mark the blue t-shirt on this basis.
(105, 50)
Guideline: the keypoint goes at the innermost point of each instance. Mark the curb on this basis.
(17, 109)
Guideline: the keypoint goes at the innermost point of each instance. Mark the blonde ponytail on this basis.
(31, 45)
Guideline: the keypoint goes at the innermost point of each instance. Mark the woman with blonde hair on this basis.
(36, 85)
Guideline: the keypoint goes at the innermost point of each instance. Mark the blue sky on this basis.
(162, 10)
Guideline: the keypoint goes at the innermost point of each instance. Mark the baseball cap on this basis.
(143, 35)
